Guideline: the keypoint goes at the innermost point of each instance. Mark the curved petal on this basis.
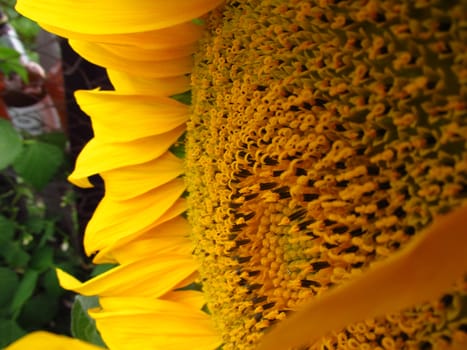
(151, 277)
(136, 53)
(136, 84)
(119, 117)
(156, 68)
(48, 341)
(169, 237)
(98, 156)
(105, 255)
(115, 220)
(132, 181)
(142, 323)
(421, 271)
(178, 35)
(116, 16)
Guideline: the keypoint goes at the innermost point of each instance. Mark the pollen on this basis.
(324, 135)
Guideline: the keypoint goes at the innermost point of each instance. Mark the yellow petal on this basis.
(426, 267)
(169, 237)
(98, 156)
(116, 220)
(191, 298)
(141, 323)
(48, 341)
(137, 84)
(150, 277)
(119, 117)
(132, 181)
(136, 53)
(158, 69)
(178, 35)
(122, 16)
(105, 255)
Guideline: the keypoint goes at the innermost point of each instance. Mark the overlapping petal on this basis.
(180, 34)
(151, 277)
(49, 341)
(110, 17)
(120, 220)
(141, 323)
(137, 53)
(168, 237)
(98, 156)
(138, 84)
(105, 255)
(426, 267)
(132, 181)
(120, 117)
(156, 68)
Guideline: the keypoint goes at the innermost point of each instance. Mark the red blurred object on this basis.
(28, 105)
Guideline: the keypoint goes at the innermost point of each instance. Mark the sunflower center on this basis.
(324, 135)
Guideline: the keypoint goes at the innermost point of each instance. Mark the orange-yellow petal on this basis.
(119, 117)
(151, 277)
(105, 255)
(178, 35)
(100, 56)
(139, 84)
(169, 237)
(98, 156)
(136, 53)
(120, 16)
(115, 220)
(421, 271)
(143, 323)
(134, 180)
(48, 341)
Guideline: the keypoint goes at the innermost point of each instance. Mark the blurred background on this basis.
(42, 217)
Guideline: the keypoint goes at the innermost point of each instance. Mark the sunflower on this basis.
(324, 181)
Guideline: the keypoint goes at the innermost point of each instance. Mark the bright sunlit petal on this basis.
(119, 220)
(100, 56)
(150, 277)
(141, 84)
(108, 17)
(98, 156)
(119, 117)
(141, 323)
(48, 341)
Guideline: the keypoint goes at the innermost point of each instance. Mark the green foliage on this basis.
(26, 29)
(10, 144)
(10, 63)
(38, 162)
(31, 242)
(82, 325)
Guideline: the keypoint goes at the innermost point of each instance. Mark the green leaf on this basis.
(10, 63)
(9, 332)
(184, 97)
(178, 148)
(101, 268)
(7, 228)
(25, 290)
(10, 144)
(50, 283)
(42, 258)
(14, 254)
(58, 139)
(82, 325)
(38, 163)
(38, 311)
(9, 283)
